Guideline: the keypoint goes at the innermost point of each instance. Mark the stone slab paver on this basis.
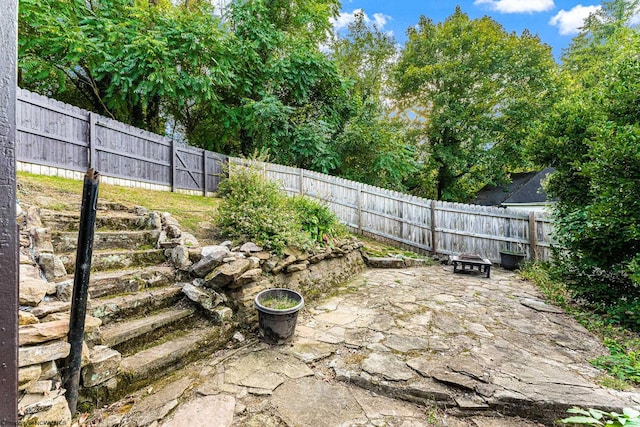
(204, 411)
(494, 338)
(398, 343)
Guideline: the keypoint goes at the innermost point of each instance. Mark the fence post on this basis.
(359, 210)
(301, 186)
(9, 235)
(93, 119)
(533, 236)
(81, 287)
(401, 215)
(204, 173)
(173, 166)
(434, 240)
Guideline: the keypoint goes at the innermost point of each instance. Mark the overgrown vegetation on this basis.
(254, 208)
(592, 137)
(623, 362)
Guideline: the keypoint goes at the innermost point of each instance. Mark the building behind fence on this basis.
(56, 138)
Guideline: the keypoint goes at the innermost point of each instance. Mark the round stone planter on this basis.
(277, 326)
(511, 260)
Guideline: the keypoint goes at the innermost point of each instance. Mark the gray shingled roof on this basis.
(524, 188)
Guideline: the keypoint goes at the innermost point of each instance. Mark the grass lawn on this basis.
(194, 213)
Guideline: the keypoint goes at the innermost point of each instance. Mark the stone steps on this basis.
(144, 367)
(67, 241)
(111, 220)
(171, 354)
(119, 307)
(117, 260)
(106, 283)
(126, 331)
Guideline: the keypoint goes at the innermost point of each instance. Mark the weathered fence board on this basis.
(433, 226)
(55, 134)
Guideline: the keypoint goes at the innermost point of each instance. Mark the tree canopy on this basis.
(471, 89)
(592, 138)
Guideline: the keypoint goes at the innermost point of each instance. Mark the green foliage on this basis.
(622, 363)
(472, 89)
(126, 60)
(316, 218)
(373, 150)
(365, 56)
(542, 275)
(630, 417)
(591, 138)
(289, 97)
(254, 208)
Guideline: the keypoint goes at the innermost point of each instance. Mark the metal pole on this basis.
(8, 229)
(81, 287)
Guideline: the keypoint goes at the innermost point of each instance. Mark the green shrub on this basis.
(254, 208)
(622, 363)
(316, 218)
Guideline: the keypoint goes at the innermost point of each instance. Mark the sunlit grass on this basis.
(194, 213)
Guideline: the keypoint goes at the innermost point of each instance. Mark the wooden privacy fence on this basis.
(51, 133)
(427, 225)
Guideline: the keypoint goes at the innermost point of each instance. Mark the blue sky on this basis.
(555, 21)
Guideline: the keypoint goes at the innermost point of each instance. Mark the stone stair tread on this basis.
(107, 220)
(119, 274)
(107, 308)
(118, 259)
(119, 332)
(171, 354)
(76, 214)
(124, 251)
(66, 241)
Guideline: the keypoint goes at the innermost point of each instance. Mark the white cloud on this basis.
(345, 18)
(635, 19)
(570, 21)
(380, 19)
(517, 6)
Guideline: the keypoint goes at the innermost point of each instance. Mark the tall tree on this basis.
(372, 146)
(588, 49)
(471, 89)
(365, 55)
(289, 97)
(126, 60)
(592, 138)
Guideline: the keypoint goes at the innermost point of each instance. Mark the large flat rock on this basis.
(204, 411)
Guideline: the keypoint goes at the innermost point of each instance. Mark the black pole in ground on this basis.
(81, 287)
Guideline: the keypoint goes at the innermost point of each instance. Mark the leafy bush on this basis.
(630, 417)
(316, 218)
(591, 138)
(254, 208)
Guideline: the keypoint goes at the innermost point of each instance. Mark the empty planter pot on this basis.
(277, 314)
(511, 260)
